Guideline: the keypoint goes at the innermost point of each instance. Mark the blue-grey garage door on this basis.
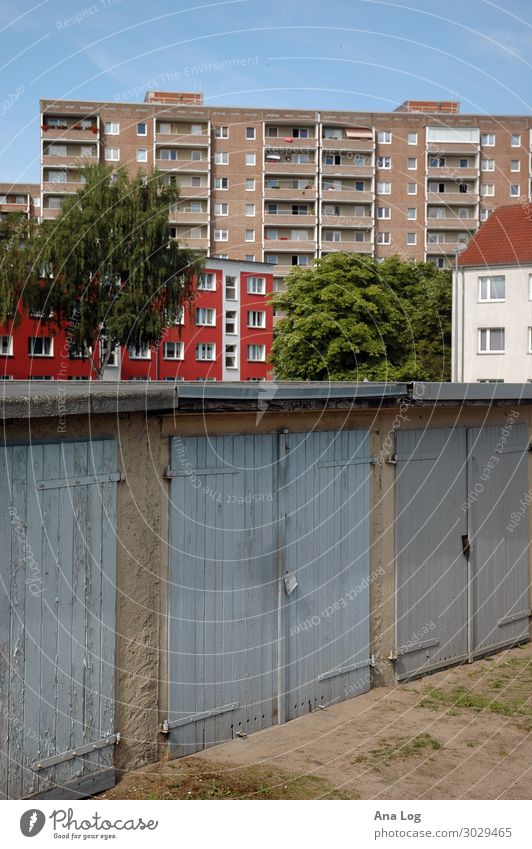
(461, 561)
(269, 580)
(57, 618)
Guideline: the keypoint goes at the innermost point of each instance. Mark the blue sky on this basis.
(340, 54)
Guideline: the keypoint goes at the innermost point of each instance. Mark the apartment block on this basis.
(286, 186)
(225, 334)
(19, 198)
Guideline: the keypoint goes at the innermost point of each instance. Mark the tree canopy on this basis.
(108, 267)
(351, 318)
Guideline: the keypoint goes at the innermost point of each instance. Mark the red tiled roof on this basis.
(504, 239)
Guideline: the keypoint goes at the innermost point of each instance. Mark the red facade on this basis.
(226, 334)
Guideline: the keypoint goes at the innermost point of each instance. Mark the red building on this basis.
(225, 334)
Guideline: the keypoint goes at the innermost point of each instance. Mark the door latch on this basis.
(466, 545)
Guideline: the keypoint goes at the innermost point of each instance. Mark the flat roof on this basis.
(58, 399)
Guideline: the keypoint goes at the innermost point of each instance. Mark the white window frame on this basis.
(8, 352)
(411, 238)
(251, 133)
(409, 165)
(487, 139)
(384, 163)
(111, 132)
(384, 239)
(487, 331)
(231, 356)
(221, 184)
(486, 280)
(412, 138)
(260, 348)
(249, 236)
(251, 159)
(250, 210)
(411, 188)
(201, 347)
(231, 320)
(256, 285)
(384, 137)
(515, 141)
(221, 132)
(221, 235)
(411, 209)
(207, 282)
(221, 209)
(256, 319)
(515, 190)
(221, 158)
(386, 213)
(487, 165)
(112, 150)
(140, 151)
(384, 187)
(179, 350)
(250, 184)
(139, 352)
(487, 190)
(143, 124)
(205, 317)
(44, 339)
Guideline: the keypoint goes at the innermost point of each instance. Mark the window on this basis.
(167, 153)
(412, 138)
(230, 289)
(487, 139)
(384, 162)
(195, 233)
(384, 188)
(250, 257)
(173, 350)
(491, 340)
(221, 159)
(485, 214)
(250, 210)
(464, 163)
(205, 351)
(492, 288)
(205, 316)
(250, 236)
(221, 132)
(40, 346)
(196, 155)
(112, 154)
(487, 165)
(300, 259)
(142, 154)
(436, 162)
(435, 238)
(256, 286)
(412, 163)
(230, 322)
(110, 128)
(6, 346)
(383, 239)
(530, 287)
(411, 213)
(411, 189)
(411, 239)
(250, 132)
(256, 318)
(515, 165)
(272, 132)
(221, 183)
(207, 282)
(487, 190)
(384, 212)
(196, 130)
(221, 209)
(272, 259)
(300, 133)
(360, 186)
(515, 191)
(516, 140)
(332, 236)
(250, 184)
(250, 159)
(230, 356)
(384, 137)
(221, 235)
(256, 353)
(142, 129)
(142, 351)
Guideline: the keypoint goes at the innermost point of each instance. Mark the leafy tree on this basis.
(113, 275)
(351, 318)
(17, 236)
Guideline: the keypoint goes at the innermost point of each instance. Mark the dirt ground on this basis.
(464, 733)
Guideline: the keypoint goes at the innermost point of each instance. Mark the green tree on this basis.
(17, 236)
(112, 273)
(351, 318)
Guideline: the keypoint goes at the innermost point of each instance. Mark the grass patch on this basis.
(198, 779)
(461, 697)
(395, 748)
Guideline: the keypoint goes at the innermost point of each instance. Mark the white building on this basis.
(492, 301)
